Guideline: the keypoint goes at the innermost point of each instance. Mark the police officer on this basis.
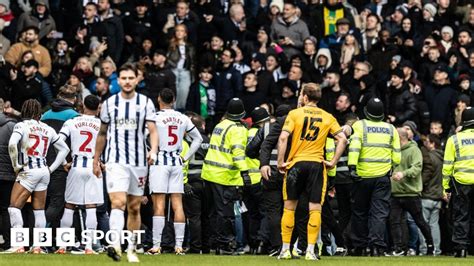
(459, 164)
(226, 170)
(373, 151)
(253, 196)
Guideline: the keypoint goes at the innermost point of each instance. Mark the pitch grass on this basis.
(195, 260)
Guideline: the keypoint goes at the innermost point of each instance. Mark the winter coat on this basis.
(441, 100)
(45, 24)
(297, 31)
(228, 84)
(411, 164)
(432, 174)
(6, 129)
(41, 54)
(157, 79)
(401, 103)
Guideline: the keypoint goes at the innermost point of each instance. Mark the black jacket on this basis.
(113, 29)
(23, 89)
(441, 100)
(6, 129)
(228, 84)
(401, 103)
(157, 79)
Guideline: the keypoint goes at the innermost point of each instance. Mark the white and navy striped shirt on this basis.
(82, 131)
(36, 137)
(171, 126)
(125, 136)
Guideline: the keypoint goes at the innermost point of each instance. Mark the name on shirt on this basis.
(172, 120)
(87, 124)
(35, 129)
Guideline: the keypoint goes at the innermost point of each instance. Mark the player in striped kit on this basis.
(82, 186)
(124, 117)
(166, 176)
(34, 139)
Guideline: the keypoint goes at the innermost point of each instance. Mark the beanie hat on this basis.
(398, 72)
(6, 4)
(447, 29)
(402, 9)
(277, 3)
(430, 8)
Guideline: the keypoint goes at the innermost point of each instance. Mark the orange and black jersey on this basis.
(309, 127)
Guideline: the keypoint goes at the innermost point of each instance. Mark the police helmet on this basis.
(235, 109)
(259, 115)
(374, 110)
(467, 117)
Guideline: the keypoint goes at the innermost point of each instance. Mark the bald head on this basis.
(403, 134)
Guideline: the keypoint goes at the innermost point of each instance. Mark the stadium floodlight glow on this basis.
(66, 237)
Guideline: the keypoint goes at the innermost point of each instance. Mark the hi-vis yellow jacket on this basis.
(459, 158)
(374, 148)
(225, 158)
(330, 151)
(185, 163)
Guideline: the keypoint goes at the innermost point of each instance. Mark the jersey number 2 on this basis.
(310, 130)
(172, 135)
(84, 145)
(32, 150)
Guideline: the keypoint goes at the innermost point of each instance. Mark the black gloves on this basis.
(353, 173)
(188, 190)
(246, 177)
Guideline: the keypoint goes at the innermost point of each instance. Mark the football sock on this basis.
(116, 223)
(40, 218)
(179, 234)
(287, 225)
(158, 225)
(66, 220)
(16, 220)
(91, 223)
(314, 224)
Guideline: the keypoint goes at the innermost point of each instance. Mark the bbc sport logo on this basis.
(66, 237)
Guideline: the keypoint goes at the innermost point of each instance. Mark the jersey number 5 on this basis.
(172, 135)
(84, 145)
(32, 150)
(310, 130)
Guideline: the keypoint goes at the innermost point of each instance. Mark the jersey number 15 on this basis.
(310, 130)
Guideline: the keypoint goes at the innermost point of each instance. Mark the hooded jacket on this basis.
(327, 53)
(411, 164)
(45, 23)
(6, 129)
(432, 174)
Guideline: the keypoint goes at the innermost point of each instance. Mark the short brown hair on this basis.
(312, 91)
(128, 66)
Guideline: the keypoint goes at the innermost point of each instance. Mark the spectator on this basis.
(9, 26)
(183, 16)
(202, 96)
(400, 102)
(38, 17)
(406, 191)
(137, 26)
(432, 194)
(272, 64)
(181, 56)
(325, 17)
(113, 30)
(108, 69)
(30, 43)
(370, 34)
(61, 65)
(252, 96)
(25, 85)
(289, 31)
(342, 107)
(331, 90)
(441, 98)
(4, 41)
(159, 76)
(227, 81)
(323, 61)
(335, 40)
(266, 83)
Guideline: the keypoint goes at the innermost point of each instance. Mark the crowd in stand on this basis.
(417, 56)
